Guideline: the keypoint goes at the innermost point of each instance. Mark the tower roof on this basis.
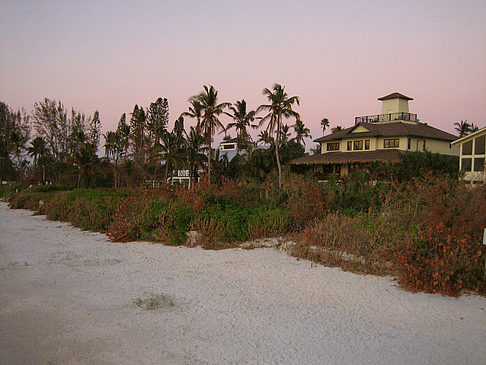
(395, 96)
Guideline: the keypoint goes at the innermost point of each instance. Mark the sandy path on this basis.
(66, 298)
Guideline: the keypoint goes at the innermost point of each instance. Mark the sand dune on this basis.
(73, 297)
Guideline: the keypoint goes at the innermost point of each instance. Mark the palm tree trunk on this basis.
(191, 173)
(277, 143)
(209, 160)
(166, 171)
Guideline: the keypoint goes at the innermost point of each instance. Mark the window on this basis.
(409, 143)
(333, 146)
(228, 147)
(350, 145)
(423, 147)
(479, 164)
(357, 145)
(467, 148)
(367, 144)
(466, 164)
(479, 145)
(391, 143)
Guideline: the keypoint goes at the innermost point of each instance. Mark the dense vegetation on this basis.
(413, 218)
(52, 145)
(427, 231)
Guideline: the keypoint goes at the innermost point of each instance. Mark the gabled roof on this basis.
(346, 157)
(394, 129)
(395, 96)
(472, 135)
(232, 140)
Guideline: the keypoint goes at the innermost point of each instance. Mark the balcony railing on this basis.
(386, 118)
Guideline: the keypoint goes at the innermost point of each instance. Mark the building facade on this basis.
(381, 137)
(472, 154)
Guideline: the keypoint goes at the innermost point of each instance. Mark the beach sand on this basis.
(74, 297)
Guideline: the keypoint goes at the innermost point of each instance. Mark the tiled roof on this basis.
(232, 140)
(395, 96)
(345, 157)
(395, 129)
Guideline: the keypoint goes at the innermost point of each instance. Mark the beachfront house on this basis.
(229, 148)
(472, 154)
(381, 137)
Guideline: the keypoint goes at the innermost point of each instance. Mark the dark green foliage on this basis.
(418, 164)
(10, 189)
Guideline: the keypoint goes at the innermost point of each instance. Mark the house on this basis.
(471, 156)
(381, 137)
(229, 148)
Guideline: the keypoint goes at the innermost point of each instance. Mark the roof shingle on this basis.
(395, 129)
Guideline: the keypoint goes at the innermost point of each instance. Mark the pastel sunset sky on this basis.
(338, 56)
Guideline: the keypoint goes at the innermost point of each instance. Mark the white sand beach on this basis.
(68, 297)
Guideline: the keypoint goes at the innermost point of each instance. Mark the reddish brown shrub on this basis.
(447, 254)
(306, 202)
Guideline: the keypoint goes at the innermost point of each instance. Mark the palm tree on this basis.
(114, 149)
(210, 111)
(194, 149)
(280, 106)
(324, 124)
(473, 128)
(242, 121)
(37, 148)
(284, 134)
(85, 157)
(463, 128)
(301, 132)
(195, 110)
(171, 153)
(265, 137)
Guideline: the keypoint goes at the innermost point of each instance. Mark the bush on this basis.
(10, 189)
(87, 209)
(364, 243)
(306, 201)
(446, 255)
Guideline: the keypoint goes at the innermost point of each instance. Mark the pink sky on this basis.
(338, 56)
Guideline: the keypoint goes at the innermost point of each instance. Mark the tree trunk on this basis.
(277, 143)
(166, 171)
(209, 160)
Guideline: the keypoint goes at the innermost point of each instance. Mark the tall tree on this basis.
(194, 152)
(157, 119)
(266, 138)
(172, 147)
(301, 132)
(123, 135)
(138, 137)
(37, 149)
(242, 121)
(280, 106)
(195, 110)
(14, 135)
(50, 122)
(210, 112)
(324, 124)
(114, 150)
(462, 127)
